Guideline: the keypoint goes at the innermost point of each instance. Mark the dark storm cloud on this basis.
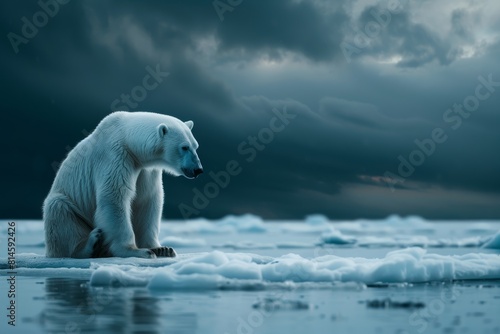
(330, 158)
(276, 26)
(253, 28)
(382, 33)
(460, 24)
(385, 31)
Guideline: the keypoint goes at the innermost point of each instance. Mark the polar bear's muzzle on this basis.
(192, 173)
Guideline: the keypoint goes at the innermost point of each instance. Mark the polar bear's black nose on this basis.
(197, 171)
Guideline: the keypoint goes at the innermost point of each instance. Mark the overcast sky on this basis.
(352, 109)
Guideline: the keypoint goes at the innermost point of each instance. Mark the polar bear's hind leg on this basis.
(66, 234)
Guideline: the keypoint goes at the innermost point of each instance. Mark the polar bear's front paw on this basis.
(131, 251)
(164, 252)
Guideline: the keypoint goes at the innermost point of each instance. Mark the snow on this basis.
(230, 224)
(246, 223)
(218, 270)
(336, 237)
(246, 252)
(116, 276)
(245, 245)
(179, 242)
(493, 242)
(316, 219)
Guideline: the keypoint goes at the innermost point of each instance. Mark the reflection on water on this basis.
(73, 306)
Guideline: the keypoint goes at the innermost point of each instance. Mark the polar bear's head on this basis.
(155, 141)
(177, 147)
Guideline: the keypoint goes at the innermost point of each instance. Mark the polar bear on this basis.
(107, 196)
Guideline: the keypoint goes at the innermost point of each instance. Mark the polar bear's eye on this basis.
(185, 148)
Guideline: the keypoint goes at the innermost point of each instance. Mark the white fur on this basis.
(110, 184)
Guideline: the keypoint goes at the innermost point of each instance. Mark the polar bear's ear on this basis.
(189, 124)
(162, 130)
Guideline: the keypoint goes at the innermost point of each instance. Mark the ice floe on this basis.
(219, 270)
